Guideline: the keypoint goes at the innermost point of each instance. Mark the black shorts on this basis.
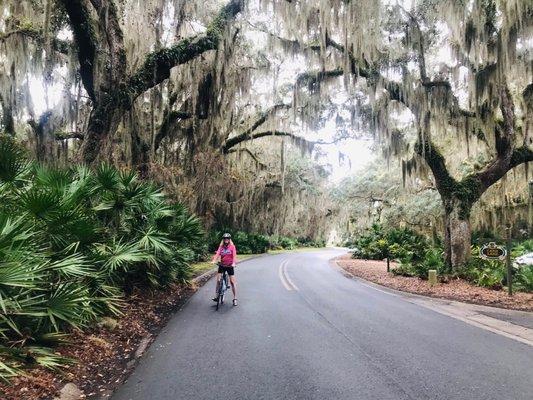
(229, 270)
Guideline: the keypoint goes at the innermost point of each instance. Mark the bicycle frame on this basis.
(223, 286)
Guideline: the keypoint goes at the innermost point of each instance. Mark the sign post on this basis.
(530, 210)
(509, 266)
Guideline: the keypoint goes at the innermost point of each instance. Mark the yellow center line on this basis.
(287, 276)
(282, 277)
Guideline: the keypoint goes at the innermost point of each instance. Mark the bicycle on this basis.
(222, 288)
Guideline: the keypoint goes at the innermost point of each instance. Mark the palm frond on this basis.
(14, 166)
(40, 203)
(69, 303)
(14, 232)
(75, 265)
(52, 178)
(107, 177)
(153, 241)
(14, 274)
(187, 229)
(118, 255)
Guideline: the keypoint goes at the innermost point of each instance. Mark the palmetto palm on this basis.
(72, 241)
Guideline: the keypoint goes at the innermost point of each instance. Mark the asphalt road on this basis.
(304, 331)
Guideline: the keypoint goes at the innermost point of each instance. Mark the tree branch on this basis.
(84, 33)
(312, 78)
(69, 135)
(420, 50)
(294, 44)
(29, 32)
(505, 138)
(265, 115)
(61, 46)
(168, 121)
(158, 64)
(258, 163)
(521, 155)
(443, 180)
(243, 137)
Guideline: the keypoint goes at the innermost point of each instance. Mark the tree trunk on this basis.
(103, 122)
(457, 235)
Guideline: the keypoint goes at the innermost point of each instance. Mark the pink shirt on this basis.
(228, 254)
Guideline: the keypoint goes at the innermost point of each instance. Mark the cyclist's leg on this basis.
(233, 282)
(219, 277)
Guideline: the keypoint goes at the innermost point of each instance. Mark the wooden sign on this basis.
(492, 251)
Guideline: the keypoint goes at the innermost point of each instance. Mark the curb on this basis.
(466, 312)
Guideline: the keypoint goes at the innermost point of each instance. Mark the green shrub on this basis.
(433, 259)
(308, 242)
(243, 243)
(522, 248)
(259, 243)
(479, 237)
(524, 278)
(485, 273)
(399, 243)
(287, 243)
(74, 241)
(246, 243)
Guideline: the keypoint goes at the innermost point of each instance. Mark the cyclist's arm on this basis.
(217, 255)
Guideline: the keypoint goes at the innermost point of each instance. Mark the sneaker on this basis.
(215, 299)
(234, 302)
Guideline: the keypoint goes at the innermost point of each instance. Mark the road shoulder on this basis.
(513, 324)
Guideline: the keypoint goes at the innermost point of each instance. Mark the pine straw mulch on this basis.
(455, 289)
(104, 357)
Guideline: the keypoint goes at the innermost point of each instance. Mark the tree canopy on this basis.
(186, 90)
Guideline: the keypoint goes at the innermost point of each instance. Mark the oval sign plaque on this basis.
(492, 251)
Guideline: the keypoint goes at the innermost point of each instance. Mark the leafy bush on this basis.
(524, 278)
(479, 237)
(400, 243)
(253, 243)
(485, 273)
(73, 242)
(259, 243)
(308, 242)
(287, 243)
(372, 245)
(246, 243)
(522, 248)
(433, 259)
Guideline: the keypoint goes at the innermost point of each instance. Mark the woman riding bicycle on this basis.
(227, 253)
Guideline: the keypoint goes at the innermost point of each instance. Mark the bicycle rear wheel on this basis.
(219, 301)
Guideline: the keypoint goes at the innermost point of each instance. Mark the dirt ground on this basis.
(104, 355)
(455, 289)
